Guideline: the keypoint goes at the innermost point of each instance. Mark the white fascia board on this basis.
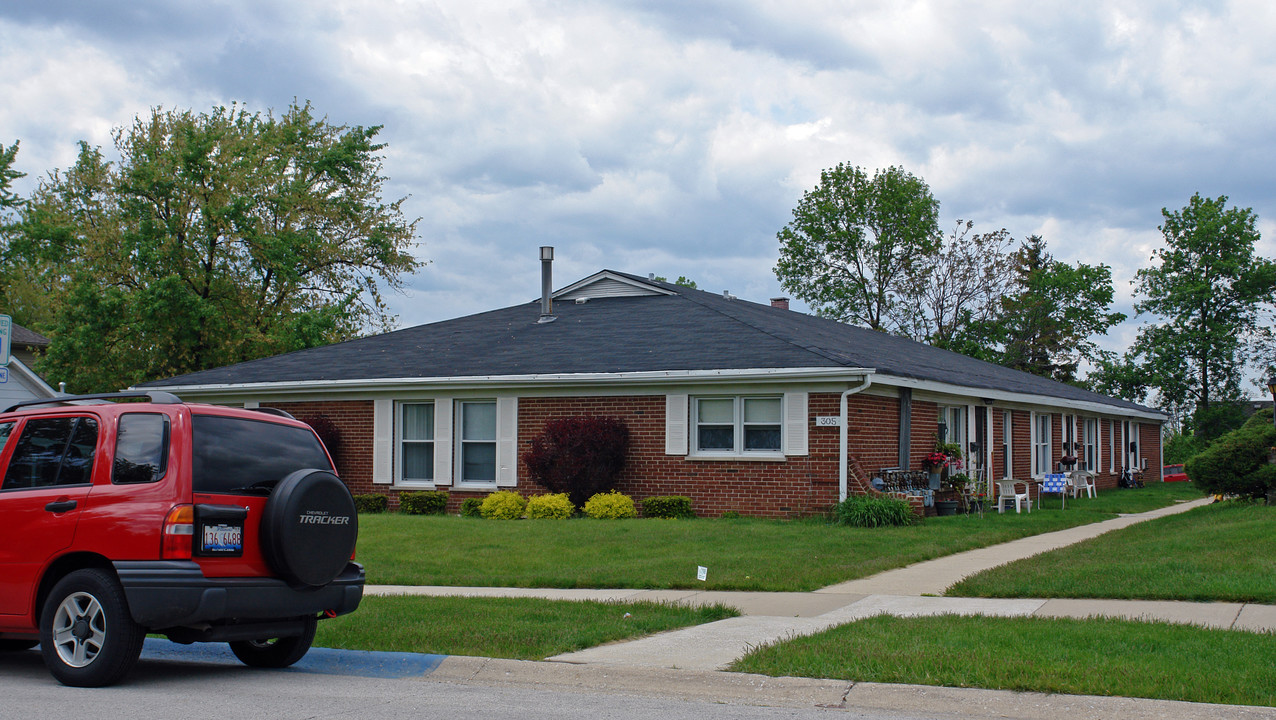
(662, 377)
(1004, 396)
(28, 377)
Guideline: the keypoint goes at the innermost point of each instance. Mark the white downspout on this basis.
(841, 465)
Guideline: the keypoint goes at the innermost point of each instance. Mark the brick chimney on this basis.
(782, 303)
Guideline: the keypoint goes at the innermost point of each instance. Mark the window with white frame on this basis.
(737, 425)
(1090, 444)
(476, 441)
(1007, 446)
(1112, 446)
(416, 442)
(952, 421)
(1068, 431)
(1040, 444)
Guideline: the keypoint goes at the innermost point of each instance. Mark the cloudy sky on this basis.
(675, 137)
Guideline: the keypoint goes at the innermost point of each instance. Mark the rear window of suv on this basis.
(241, 456)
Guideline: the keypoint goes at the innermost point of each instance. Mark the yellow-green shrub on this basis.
(554, 506)
(610, 506)
(503, 505)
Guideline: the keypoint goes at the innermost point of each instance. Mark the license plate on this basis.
(222, 539)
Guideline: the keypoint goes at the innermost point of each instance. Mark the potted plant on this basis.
(935, 463)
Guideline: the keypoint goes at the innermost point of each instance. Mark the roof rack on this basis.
(275, 411)
(158, 397)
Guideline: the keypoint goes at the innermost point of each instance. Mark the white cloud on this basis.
(675, 137)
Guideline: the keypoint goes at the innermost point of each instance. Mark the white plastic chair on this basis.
(1006, 490)
(1082, 481)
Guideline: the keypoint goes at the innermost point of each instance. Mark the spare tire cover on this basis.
(309, 528)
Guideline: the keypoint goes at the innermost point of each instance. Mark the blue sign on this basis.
(4, 375)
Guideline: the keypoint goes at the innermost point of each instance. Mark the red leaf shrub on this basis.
(580, 456)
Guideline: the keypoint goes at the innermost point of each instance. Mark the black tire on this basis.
(17, 645)
(87, 636)
(276, 652)
(309, 528)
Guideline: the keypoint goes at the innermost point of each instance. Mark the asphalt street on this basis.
(204, 681)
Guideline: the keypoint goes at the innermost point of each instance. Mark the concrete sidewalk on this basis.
(909, 591)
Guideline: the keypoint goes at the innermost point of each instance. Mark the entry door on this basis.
(981, 439)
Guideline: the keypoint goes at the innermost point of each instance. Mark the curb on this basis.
(765, 691)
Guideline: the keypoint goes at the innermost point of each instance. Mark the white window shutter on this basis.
(443, 441)
(675, 424)
(383, 441)
(506, 441)
(795, 424)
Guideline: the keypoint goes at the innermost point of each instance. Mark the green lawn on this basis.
(744, 554)
(1220, 552)
(518, 628)
(1086, 657)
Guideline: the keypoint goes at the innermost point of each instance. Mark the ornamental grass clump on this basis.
(610, 506)
(503, 505)
(873, 511)
(552, 506)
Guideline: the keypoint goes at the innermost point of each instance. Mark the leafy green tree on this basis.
(1048, 319)
(216, 238)
(9, 201)
(854, 246)
(1121, 377)
(1213, 296)
(14, 292)
(682, 280)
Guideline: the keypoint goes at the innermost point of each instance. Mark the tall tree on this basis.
(21, 296)
(960, 287)
(1213, 296)
(854, 244)
(1047, 320)
(217, 237)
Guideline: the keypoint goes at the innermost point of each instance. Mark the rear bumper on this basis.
(175, 593)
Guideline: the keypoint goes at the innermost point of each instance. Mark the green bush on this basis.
(371, 503)
(472, 507)
(554, 506)
(610, 506)
(426, 502)
(730, 515)
(668, 506)
(871, 511)
(1236, 463)
(503, 505)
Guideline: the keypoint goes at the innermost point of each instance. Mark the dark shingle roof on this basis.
(22, 337)
(690, 330)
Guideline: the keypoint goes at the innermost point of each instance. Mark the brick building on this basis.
(741, 406)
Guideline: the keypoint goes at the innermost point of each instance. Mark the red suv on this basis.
(201, 523)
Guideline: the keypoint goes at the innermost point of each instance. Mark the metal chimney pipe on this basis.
(547, 284)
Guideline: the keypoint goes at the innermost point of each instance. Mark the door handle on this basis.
(60, 506)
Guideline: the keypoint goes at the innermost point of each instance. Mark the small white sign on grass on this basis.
(702, 573)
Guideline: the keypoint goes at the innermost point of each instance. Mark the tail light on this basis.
(179, 531)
